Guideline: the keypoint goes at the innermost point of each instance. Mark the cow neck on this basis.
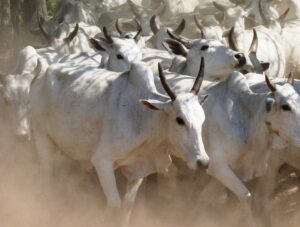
(188, 68)
(258, 128)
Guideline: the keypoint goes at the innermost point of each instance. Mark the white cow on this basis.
(118, 53)
(160, 33)
(268, 48)
(70, 38)
(96, 115)
(242, 127)
(15, 92)
(210, 27)
(220, 60)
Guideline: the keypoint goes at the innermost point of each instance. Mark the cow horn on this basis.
(160, 9)
(107, 36)
(138, 35)
(153, 25)
(187, 43)
(199, 25)
(254, 45)
(180, 28)
(222, 20)
(262, 14)
(43, 30)
(291, 79)
(281, 19)
(135, 7)
(231, 40)
(72, 34)
(118, 27)
(140, 30)
(164, 83)
(198, 82)
(219, 6)
(270, 85)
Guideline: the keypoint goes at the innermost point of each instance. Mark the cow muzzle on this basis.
(241, 59)
(23, 135)
(203, 164)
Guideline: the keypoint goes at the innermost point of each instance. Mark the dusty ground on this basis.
(75, 198)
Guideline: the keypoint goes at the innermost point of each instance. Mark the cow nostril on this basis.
(202, 164)
(237, 56)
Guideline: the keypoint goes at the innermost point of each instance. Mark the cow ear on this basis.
(155, 105)
(265, 66)
(269, 104)
(176, 47)
(99, 44)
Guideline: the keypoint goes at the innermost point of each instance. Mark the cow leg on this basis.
(226, 176)
(106, 174)
(129, 200)
(265, 189)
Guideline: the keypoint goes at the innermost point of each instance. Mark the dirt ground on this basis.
(75, 199)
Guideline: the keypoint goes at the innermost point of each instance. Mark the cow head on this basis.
(15, 92)
(270, 17)
(210, 27)
(185, 119)
(63, 38)
(283, 111)
(252, 62)
(131, 35)
(121, 52)
(160, 33)
(220, 60)
(143, 14)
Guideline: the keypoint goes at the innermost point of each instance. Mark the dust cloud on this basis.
(74, 198)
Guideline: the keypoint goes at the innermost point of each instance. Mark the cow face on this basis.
(220, 60)
(15, 92)
(121, 53)
(185, 119)
(283, 112)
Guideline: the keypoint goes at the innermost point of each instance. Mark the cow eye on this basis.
(119, 56)
(205, 47)
(180, 121)
(286, 107)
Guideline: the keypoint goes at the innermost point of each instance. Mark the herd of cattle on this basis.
(218, 97)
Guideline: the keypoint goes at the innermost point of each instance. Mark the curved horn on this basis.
(138, 24)
(138, 35)
(187, 43)
(180, 28)
(219, 6)
(222, 20)
(107, 36)
(231, 40)
(254, 45)
(291, 79)
(118, 27)
(160, 9)
(198, 82)
(270, 85)
(164, 83)
(262, 14)
(136, 9)
(199, 25)
(72, 34)
(153, 25)
(283, 16)
(43, 30)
